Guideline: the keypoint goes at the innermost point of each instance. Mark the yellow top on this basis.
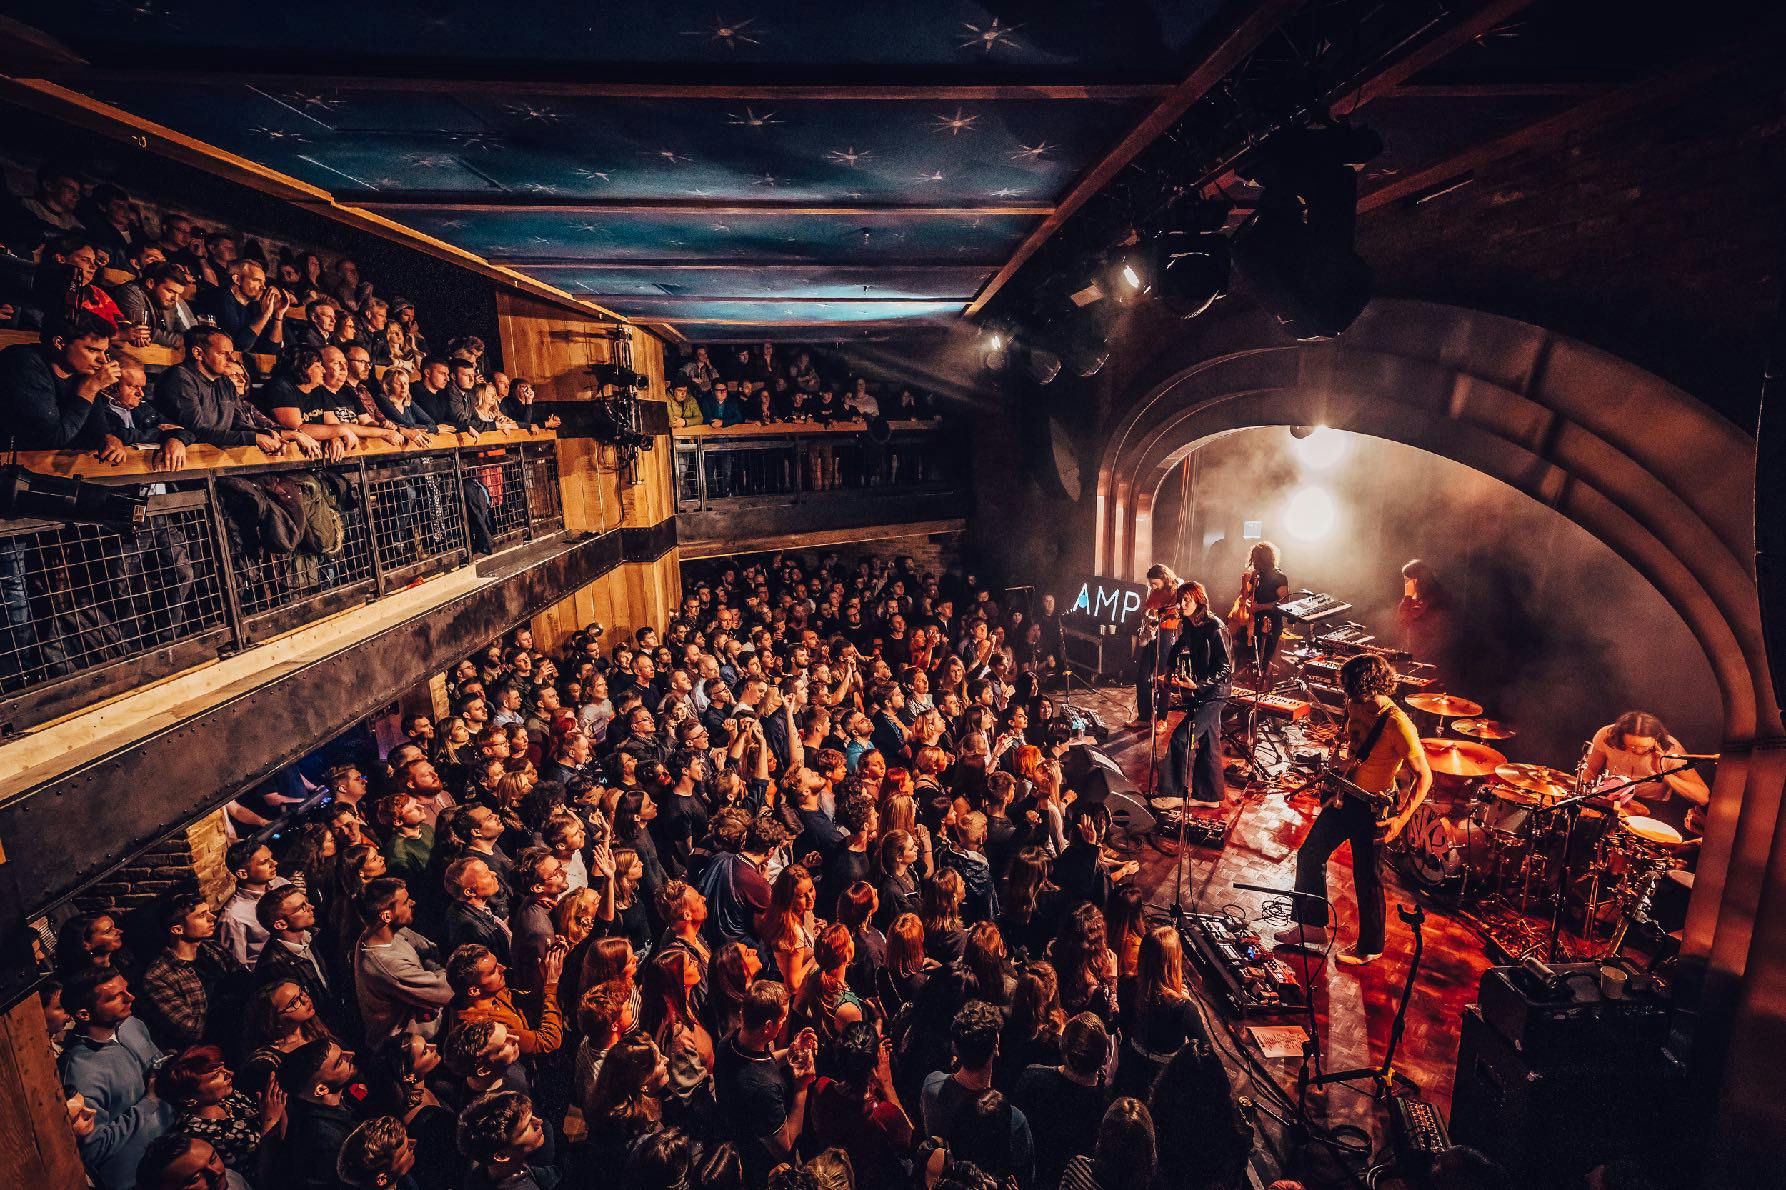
(1396, 745)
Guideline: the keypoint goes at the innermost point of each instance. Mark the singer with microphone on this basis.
(1637, 747)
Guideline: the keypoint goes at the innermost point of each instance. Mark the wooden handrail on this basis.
(152, 356)
(782, 429)
(216, 458)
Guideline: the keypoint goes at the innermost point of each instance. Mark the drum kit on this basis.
(1527, 839)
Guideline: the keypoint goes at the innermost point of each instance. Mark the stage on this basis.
(1355, 1007)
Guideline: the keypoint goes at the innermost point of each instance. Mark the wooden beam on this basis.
(525, 204)
(76, 73)
(1252, 29)
(1665, 85)
(1484, 20)
(63, 104)
(1498, 90)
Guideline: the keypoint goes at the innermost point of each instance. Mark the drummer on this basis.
(1636, 745)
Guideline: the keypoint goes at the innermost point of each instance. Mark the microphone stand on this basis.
(1383, 1076)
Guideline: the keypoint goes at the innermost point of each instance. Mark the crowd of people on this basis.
(790, 892)
(353, 365)
(760, 385)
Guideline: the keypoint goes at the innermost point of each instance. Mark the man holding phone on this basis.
(762, 1090)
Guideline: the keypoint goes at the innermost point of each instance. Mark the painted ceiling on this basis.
(674, 162)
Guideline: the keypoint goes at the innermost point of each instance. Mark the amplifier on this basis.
(1247, 979)
(1572, 1021)
(1549, 1122)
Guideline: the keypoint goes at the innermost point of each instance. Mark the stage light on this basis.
(995, 350)
(1193, 272)
(1319, 448)
(1310, 514)
(1042, 364)
(1130, 277)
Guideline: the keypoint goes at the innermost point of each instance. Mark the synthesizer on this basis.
(1310, 606)
(1292, 709)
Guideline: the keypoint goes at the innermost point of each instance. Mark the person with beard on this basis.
(316, 1077)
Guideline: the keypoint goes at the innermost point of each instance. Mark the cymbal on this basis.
(1461, 758)
(1446, 706)
(1535, 778)
(1483, 729)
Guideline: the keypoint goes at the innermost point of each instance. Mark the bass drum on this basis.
(1443, 855)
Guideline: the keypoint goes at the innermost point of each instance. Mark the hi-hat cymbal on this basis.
(1535, 778)
(1461, 758)
(1483, 729)
(1446, 706)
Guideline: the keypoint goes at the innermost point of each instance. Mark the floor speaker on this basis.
(1549, 1124)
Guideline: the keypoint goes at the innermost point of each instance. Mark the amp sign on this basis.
(1107, 601)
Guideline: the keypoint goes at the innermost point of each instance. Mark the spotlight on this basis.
(1193, 272)
(1042, 364)
(1309, 515)
(995, 349)
(32, 494)
(1319, 447)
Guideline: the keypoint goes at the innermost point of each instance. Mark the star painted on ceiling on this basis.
(954, 125)
(455, 224)
(767, 180)
(480, 142)
(850, 156)
(935, 175)
(591, 228)
(1035, 152)
(327, 103)
(147, 11)
(699, 193)
(533, 111)
(278, 134)
(670, 156)
(593, 175)
(749, 119)
(722, 227)
(986, 37)
(1006, 192)
(430, 160)
(540, 239)
(730, 34)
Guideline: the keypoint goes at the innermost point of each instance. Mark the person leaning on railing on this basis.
(198, 396)
(298, 401)
(47, 390)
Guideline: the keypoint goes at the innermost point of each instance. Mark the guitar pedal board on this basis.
(1247, 979)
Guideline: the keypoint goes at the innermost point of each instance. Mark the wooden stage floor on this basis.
(1355, 1007)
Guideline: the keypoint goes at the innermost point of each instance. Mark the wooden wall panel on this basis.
(624, 600)
(550, 347)
(36, 1147)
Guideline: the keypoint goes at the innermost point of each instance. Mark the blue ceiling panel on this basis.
(757, 313)
(914, 153)
(996, 38)
(859, 239)
(885, 283)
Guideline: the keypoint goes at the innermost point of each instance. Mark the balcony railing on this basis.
(238, 547)
(736, 466)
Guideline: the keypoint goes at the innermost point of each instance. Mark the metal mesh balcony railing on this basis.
(235, 555)
(78, 597)
(715, 467)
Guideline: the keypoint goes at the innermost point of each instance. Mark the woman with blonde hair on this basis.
(1162, 1018)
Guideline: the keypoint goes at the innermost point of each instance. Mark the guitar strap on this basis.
(1376, 733)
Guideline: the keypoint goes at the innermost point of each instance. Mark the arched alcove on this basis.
(1643, 467)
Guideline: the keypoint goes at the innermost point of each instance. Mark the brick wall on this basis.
(194, 852)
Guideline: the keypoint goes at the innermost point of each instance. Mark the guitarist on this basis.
(1199, 669)
(1380, 744)
(1255, 622)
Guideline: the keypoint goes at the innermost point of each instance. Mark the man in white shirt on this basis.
(238, 926)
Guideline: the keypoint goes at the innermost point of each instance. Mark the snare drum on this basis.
(1504, 812)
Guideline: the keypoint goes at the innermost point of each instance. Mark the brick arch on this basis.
(1659, 478)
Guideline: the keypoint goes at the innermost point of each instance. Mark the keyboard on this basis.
(1272, 704)
(1309, 607)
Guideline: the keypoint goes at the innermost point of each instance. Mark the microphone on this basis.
(1280, 892)
(1691, 755)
